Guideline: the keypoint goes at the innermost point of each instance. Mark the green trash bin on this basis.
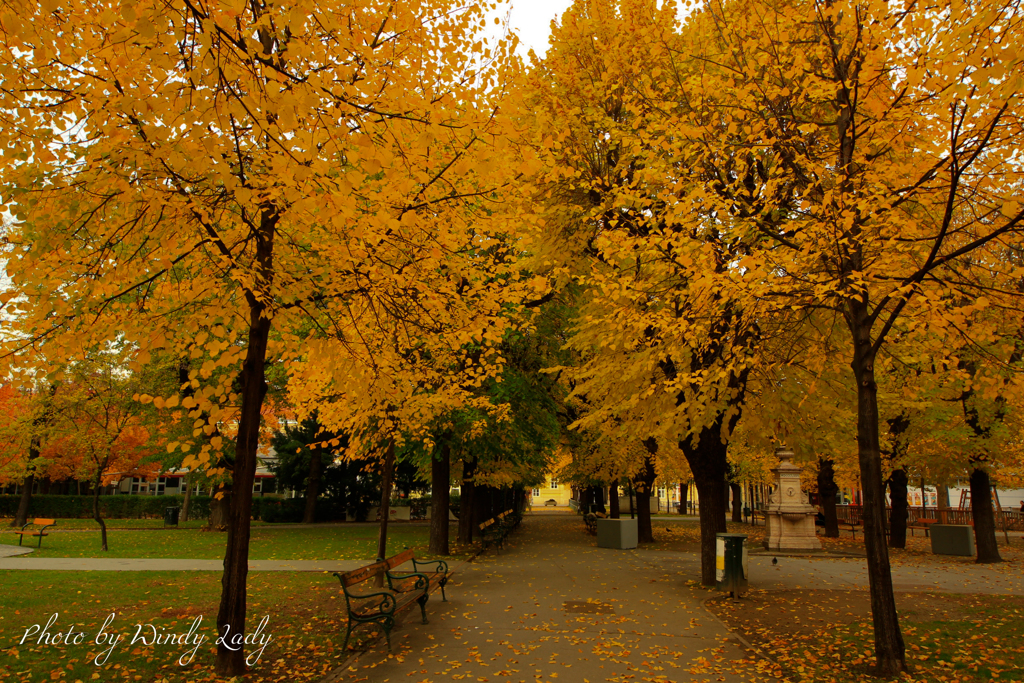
(731, 563)
(171, 516)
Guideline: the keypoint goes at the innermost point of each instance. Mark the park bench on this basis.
(42, 524)
(494, 531)
(852, 525)
(590, 519)
(923, 523)
(509, 521)
(491, 534)
(403, 589)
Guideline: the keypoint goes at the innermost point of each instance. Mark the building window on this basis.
(554, 483)
(257, 486)
(536, 492)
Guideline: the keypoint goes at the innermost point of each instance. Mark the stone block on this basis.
(952, 539)
(620, 534)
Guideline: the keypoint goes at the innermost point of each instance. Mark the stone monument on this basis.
(789, 517)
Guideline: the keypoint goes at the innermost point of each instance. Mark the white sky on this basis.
(531, 20)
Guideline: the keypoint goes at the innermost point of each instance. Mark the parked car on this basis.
(551, 501)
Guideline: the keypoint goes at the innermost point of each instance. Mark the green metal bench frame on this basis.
(494, 531)
(43, 525)
(404, 588)
(590, 519)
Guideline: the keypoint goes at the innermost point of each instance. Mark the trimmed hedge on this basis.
(139, 507)
(111, 507)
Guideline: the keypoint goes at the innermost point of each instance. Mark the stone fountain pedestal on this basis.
(789, 515)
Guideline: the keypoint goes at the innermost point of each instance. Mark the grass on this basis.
(824, 636)
(306, 625)
(90, 524)
(335, 542)
(306, 609)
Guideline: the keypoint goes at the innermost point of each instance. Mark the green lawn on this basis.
(124, 523)
(306, 609)
(826, 636)
(306, 625)
(336, 542)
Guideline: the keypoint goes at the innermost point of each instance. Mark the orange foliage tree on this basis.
(186, 171)
(865, 153)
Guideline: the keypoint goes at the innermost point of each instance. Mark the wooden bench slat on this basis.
(363, 573)
(43, 523)
(400, 559)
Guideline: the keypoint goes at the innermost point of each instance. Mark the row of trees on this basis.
(788, 208)
(685, 231)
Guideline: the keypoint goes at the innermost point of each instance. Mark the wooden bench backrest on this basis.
(371, 570)
(484, 525)
(400, 559)
(363, 573)
(43, 522)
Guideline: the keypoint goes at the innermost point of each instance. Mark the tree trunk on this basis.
(629, 490)
(644, 486)
(220, 507)
(21, 517)
(313, 485)
(440, 482)
(737, 503)
(252, 378)
(387, 477)
(186, 503)
(942, 493)
(900, 508)
(827, 490)
(684, 493)
(708, 463)
(483, 501)
(96, 503)
(613, 500)
(644, 531)
(467, 503)
(984, 518)
(890, 651)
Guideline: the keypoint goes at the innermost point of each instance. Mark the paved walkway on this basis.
(13, 550)
(552, 606)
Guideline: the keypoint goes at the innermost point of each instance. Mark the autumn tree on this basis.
(26, 415)
(665, 350)
(304, 455)
(96, 430)
(505, 445)
(873, 147)
(250, 166)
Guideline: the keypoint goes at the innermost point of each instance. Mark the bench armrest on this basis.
(440, 565)
(44, 528)
(386, 605)
(421, 579)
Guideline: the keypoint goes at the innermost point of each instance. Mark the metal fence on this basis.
(1014, 520)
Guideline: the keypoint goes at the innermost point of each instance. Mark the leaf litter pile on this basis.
(826, 635)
